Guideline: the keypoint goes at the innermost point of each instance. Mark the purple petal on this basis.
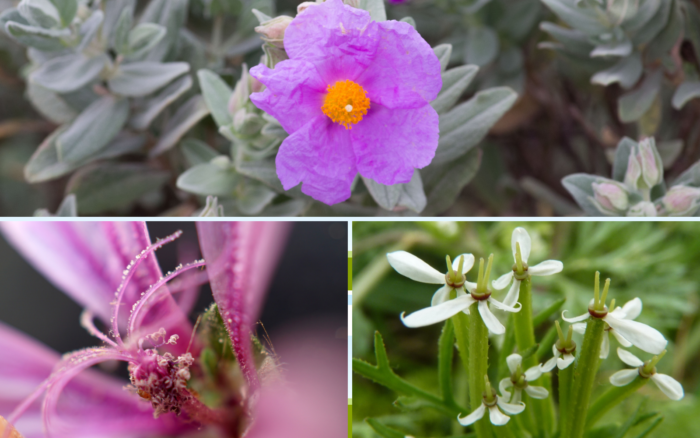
(294, 93)
(405, 72)
(390, 144)
(237, 254)
(339, 40)
(319, 154)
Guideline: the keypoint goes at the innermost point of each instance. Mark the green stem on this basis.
(584, 377)
(446, 350)
(461, 328)
(478, 367)
(611, 398)
(566, 377)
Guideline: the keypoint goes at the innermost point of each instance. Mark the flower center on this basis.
(345, 103)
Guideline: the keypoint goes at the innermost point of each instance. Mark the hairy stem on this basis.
(566, 377)
(478, 367)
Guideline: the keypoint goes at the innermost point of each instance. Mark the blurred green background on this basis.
(656, 261)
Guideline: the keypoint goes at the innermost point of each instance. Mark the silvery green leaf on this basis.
(443, 183)
(113, 13)
(375, 8)
(622, 155)
(261, 170)
(247, 45)
(81, 98)
(482, 45)
(188, 115)
(274, 130)
(626, 71)
(39, 13)
(109, 186)
(143, 117)
(254, 198)
(386, 196)
(143, 38)
(580, 18)
(648, 30)
(473, 6)
(247, 21)
(170, 14)
(68, 208)
(684, 93)
(580, 185)
(49, 104)
(573, 40)
(93, 129)
(291, 208)
(193, 50)
(122, 30)
(89, 29)
(454, 82)
(443, 52)
(209, 179)
(69, 73)
(662, 43)
(409, 20)
(12, 14)
(467, 123)
(669, 151)
(67, 10)
(143, 78)
(412, 194)
(197, 152)
(642, 16)
(511, 61)
(692, 27)
(615, 48)
(261, 16)
(216, 94)
(691, 177)
(633, 105)
(45, 164)
(520, 18)
(542, 192)
(43, 39)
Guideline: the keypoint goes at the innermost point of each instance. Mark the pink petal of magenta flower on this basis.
(331, 43)
(241, 258)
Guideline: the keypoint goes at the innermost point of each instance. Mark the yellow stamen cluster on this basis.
(345, 103)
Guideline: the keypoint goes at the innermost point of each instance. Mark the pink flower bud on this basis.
(652, 167)
(642, 209)
(682, 200)
(272, 31)
(611, 198)
(634, 171)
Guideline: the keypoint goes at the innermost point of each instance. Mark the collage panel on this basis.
(525, 329)
(173, 329)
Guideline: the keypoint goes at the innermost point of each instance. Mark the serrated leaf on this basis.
(188, 115)
(482, 45)
(143, 78)
(633, 105)
(216, 94)
(209, 179)
(444, 182)
(454, 82)
(69, 73)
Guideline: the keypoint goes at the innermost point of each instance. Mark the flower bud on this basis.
(642, 209)
(273, 55)
(682, 201)
(611, 198)
(644, 167)
(247, 123)
(244, 87)
(304, 6)
(272, 31)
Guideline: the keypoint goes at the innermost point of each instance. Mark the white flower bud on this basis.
(611, 198)
(272, 31)
(682, 200)
(642, 209)
(644, 167)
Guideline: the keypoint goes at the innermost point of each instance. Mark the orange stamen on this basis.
(345, 103)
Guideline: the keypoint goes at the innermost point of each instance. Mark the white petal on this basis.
(624, 342)
(579, 327)
(414, 268)
(433, 314)
(513, 294)
(563, 362)
(669, 386)
(549, 365)
(629, 358)
(511, 408)
(491, 322)
(521, 236)
(513, 361)
(497, 418)
(503, 386)
(547, 267)
(640, 335)
(579, 318)
(537, 391)
(441, 295)
(632, 308)
(502, 281)
(623, 377)
(555, 352)
(471, 287)
(499, 305)
(468, 263)
(473, 417)
(533, 373)
(605, 346)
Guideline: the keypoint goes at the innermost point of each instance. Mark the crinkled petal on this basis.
(629, 358)
(414, 268)
(511, 408)
(434, 314)
(294, 93)
(441, 295)
(341, 41)
(550, 364)
(579, 318)
(565, 361)
(624, 342)
(405, 72)
(632, 308)
(536, 391)
(669, 386)
(472, 418)
(501, 306)
(467, 265)
(623, 377)
(391, 143)
(640, 335)
(513, 294)
(497, 417)
(533, 373)
(320, 155)
(490, 320)
(502, 281)
(503, 386)
(605, 346)
(514, 361)
(547, 267)
(520, 236)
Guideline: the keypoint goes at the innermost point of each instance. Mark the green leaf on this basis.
(88, 30)
(69, 73)
(544, 315)
(443, 183)
(580, 185)
(622, 156)
(49, 104)
(580, 18)
(375, 8)
(482, 45)
(144, 38)
(443, 52)
(216, 94)
(684, 93)
(209, 179)
(143, 78)
(633, 105)
(110, 186)
(661, 45)
(48, 40)
(171, 14)
(626, 72)
(197, 152)
(66, 9)
(410, 195)
(384, 431)
(40, 12)
(690, 177)
(530, 351)
(68, 208)
(545, 346)
(122, 29)
(454, 82)
(409, 20)
(188, 115)
(446, 348)
(254, 198)
(144, 116)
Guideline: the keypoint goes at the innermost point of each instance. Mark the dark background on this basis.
(309, 283)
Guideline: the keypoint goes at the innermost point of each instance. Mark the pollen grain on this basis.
(346, 103)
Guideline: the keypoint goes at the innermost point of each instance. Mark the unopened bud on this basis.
(611, 198)
(273, 55)
(272, 31)
(642, 209)
(244, 87)
(644, 167)
(682, 201)
(247, 123)
(304, 6)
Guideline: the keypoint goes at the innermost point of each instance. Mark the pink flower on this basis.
(354, 97)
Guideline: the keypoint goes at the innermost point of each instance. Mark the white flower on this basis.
(561, 359)
(519, 380)
(629, 311)
(416, 269)
(646, 370)
(640, 335)
(491, 401)
(521, 239)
